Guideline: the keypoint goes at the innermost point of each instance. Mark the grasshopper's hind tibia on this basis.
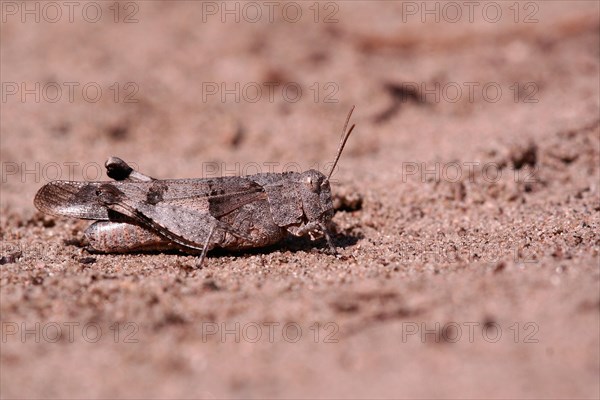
(122, 237)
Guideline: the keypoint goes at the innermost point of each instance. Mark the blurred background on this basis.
(200, 89)
(171, 85)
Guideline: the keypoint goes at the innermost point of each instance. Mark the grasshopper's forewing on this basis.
(71, 199)
(182, 210)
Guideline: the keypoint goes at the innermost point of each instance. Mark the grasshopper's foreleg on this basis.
(310, 229)
(325, 231)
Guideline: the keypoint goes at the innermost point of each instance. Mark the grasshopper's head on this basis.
(316, 196)
(315, 189)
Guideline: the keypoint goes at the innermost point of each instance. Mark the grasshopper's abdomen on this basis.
(121, 237)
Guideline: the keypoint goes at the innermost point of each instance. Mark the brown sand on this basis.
(470, 270)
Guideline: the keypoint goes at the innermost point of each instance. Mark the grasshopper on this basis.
(136, 212)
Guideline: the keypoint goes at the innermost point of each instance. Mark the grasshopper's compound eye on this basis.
(312, 183)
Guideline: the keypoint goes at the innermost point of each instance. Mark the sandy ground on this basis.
(468, 269)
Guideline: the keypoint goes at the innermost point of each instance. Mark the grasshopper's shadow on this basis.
(291, 243)
(305, 244)
(294, 244)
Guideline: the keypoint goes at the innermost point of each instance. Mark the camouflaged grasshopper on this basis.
(140, 213)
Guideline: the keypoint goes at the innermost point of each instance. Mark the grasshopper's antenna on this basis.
(346, 135)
